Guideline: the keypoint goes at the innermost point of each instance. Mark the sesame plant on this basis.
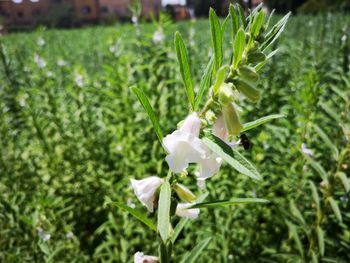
(211, 135)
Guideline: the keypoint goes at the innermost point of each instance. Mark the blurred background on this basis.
(72, 132)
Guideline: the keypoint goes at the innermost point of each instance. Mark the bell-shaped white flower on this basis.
(220, 130)
(307, 150)
(183, 211)
(139, 257)
(145, 190)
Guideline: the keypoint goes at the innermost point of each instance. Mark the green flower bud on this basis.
(226, 94)
(256, 57)
(184, 193)
(248, 90)
(231, 119)
(248, 73)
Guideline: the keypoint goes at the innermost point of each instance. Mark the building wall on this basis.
(114, 8)
(87, 10)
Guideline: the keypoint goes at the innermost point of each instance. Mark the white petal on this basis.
(139, 257)
(192, 124)
(209, 166)
(145, 190)
(182, 211)
(220, 130)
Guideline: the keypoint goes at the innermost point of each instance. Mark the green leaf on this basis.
(315, 195)
(196, 252)
(239, 46)
(335, 209)
(258, 23)
(317, 167)
(184, 67)
(234, 201)
(251, 125)
(270, 55)
(216, 39)
(138, 215)
(294, 234)
(232, 157)
(326, 140)
(164, 226)
(241, 15)
(296, 212)
(220, 78)
(332, 113)
(275, 32)
(320, 237)
(234, 22)
(345, 181)
(148, 108)
(205, 83)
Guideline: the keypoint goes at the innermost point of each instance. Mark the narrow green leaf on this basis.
(332, 113)
(205, 83)
(269, 19)
(345, 181)
(275, 32)
(234, 22)
(220, 78)
(320, 237)
(258, 23)
(216, 39)
(232, 157)
(315, 195)
(196, 252)
(234, 201)
(241, 15)
(296, 212)
(164, 226)
(138, 215)
(148, 108)
(251, 125)
(184, 67)
(314, 258)
(335, 208)
(326, 140)
(294, 234)
(239, 46)
(317, 167)
(270, 55)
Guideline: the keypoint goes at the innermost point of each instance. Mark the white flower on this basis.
(70, 235)
(183, 211)
(130, 203)
(79, 80)
(43, 235)
(40, 41)
(61, 63)
(220, 130)
(158, 36)
(139, 257)
(306, 150)
(145, 190)
(39, 61)
(184, 147)
(134, 20)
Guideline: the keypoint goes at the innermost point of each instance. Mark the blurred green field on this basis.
(72, 132)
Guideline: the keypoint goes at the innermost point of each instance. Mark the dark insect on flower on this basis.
(244, 141)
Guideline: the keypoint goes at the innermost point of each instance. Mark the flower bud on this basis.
(256, 57)
(248, 73)
(226, 94)
(184, 193)
(231, 119)
(248, 90)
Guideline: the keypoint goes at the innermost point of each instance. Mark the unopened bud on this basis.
(248, 73)
(184, 193)
(256, 57)
(226, 94)
(231, 119)
(248, 90)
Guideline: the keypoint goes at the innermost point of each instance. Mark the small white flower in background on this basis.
(183, 211)
(130, 203)
(69, 235)
(139, 257)
(134, 20)
(158, 36)
(61, 63)
(79, 80)
(145, 190)
(49, 74)
(184, 147)
(114, 48)
(43, 235)
(39, 61)
(40, 41)
(306, 150)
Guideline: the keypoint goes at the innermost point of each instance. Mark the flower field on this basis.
(73, 133)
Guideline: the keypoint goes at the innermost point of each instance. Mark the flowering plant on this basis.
(210, 135)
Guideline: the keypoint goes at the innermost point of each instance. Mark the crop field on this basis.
(73, 134)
